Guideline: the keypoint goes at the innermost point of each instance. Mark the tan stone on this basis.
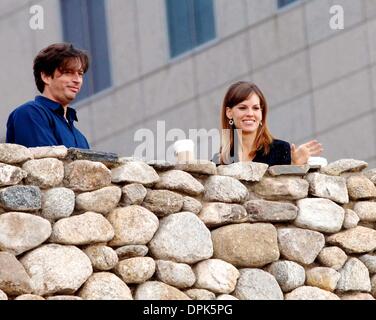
(105, 286)
(14, 153)
(132, 225)
(136, 270)
(356, 240)
(360, 187)
(246, 245)
(155, 290)
(44, 173)
(282, 188)
(323, 278)
(86, 228)
(59, 152)
(84, 175)
(102, 201)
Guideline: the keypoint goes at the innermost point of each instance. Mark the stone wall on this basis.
(85, 225)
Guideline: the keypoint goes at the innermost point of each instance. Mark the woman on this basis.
(245, 133)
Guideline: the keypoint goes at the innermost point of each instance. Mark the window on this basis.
(84, 25)
(190, 24)
(282, 3)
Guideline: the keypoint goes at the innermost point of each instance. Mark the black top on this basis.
(279, 154)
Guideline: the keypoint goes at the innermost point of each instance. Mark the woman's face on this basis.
(247, 115)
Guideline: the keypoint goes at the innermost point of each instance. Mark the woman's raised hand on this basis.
(300, 155)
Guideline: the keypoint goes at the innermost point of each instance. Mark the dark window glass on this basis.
(190, 24)
(282, 3)
(84, 25)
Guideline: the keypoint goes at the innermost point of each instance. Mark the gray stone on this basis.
(373, 286)
(13, 278)
(319, 214)
(179, 275)
(270, 211)
(288, 274)
(310, 293)
(191, 204)
(132, 250)
(64, 297)
(84, 175)
(370, 174)
(105, 286)
(55, 268)
(282, 188)
(133, 193)
(300, 245)
(45, 173)
(354, 277)
(332, 257)
(256, 284)
(163, 202)
(344, 165)
(161, 165)
(356, 240)
(292, 170)
(329, 187)
(135, 270)
(215, 214)
(369, 261)
(357, 296)
(200, 294)
(102, 201)
(177, 180)
(366, 211)
(135, 172)
(11, 175)
(248, 171)
(109, 159)
(86, 228)
(226, 297)
(216, 275)
(20, 232)
(21, 198)
(59, 152)
(186, 229)
(102, 257)
(29, 297)
(323, 278)
(360, 187)
(132, 225)
(225, 189)
(198, 166)
(3, 296)
(155, 290)
(351, 219)
(57, 203)
(14, 153)
(246, 245)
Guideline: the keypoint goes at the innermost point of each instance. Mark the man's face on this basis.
(65, 83)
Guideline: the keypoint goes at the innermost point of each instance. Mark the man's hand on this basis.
(300, 155)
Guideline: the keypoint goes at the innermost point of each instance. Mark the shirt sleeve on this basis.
(29, 127)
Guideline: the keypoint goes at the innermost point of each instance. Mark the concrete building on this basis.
(319, 82)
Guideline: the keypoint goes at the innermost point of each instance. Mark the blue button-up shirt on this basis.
(41, 123)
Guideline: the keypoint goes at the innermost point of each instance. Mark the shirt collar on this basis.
(57, 107)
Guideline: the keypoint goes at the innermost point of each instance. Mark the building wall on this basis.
(319, 83)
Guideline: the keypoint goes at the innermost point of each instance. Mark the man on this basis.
(48, 120)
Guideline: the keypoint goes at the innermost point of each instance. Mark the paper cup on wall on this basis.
(184, 150)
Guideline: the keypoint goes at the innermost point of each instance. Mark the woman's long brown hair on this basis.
(237, 93)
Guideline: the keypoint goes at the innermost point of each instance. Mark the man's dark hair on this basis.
(57, 56)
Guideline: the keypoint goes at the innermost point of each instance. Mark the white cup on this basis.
(184, 150)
